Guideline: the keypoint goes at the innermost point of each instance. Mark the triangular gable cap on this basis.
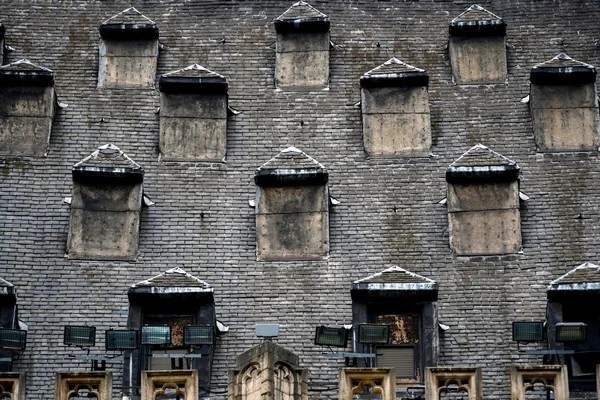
(291, 166)
(477, 21)
(128, 24)
(108, 161)
(175, 277)
(193, 79)
(397, 282)
(481, 164)
(581, 278)
(302, 17)
(26, 73)
(394, 72)
(561, 70)
(7, 289)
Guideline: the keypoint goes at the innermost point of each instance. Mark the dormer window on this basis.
(302, 48)
(128, 51)
(477, 47)
(292, 208)
(395, 110)
(483, 203)
(106, 206)
(173, 298)
(27, 108)
(564, 105)
(193, 115)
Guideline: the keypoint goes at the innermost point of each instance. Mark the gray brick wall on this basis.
(389, 212)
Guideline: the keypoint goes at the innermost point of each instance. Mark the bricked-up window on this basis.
(483, 203)
(193, 115)
(564, 105)
(539, 382)
(302, 53)
(477, 47)
(173, 298)
(395, 110)
(105, 207)
(83, 385)
(27, 108)
(407, 302)
(128, 51)
(12, 385)
(292, 208)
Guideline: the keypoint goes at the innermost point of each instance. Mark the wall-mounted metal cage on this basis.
(156, 335)
(197, 335)
(13, 339)
(373, 333)
(526, 331)
(121, 339)
(336, 337)
(80, 336)
(571, 332)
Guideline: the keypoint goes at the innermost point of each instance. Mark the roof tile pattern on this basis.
(584, 273)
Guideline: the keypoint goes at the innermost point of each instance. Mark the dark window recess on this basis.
(403, 351)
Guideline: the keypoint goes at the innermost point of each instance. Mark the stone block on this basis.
(481, 197)
(566, 129)
(193, 105)
(396, 99)
(128, 63)
(397, 134)
(97, 196)
(563, 96)
(27, 101)
(292, 236)
(302, 42)
(193, 138)
(478, 59)
(105, 220)
(485, 232)
(302, 70)
(25, 135)
(292, 199)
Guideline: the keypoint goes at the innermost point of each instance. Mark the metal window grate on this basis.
(401, 358)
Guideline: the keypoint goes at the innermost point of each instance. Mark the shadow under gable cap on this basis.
(394, 72)
(2, 30)
(128, 24)
(479, 165)
(302, 17)
(477, 21)
(25, 73)
(583, 280)
(108, 162)
(193, 79)
(562, 70)
(174, 283)
(291, 167)
(395, 282)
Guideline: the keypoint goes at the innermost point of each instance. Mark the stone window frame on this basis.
(169, 379)
(17, 382)
(453, 375)
(386, 375)
(101, 380)
(558, 373)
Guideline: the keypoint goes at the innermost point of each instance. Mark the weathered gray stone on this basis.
(395, 99)
(302, 63)
(26, 116)
(396, 134)
(478, 60)
(105, 221)
(292, 223)
(481, 197)
(565, 118)
(127, 63)
(485, 232)
(211, 106)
